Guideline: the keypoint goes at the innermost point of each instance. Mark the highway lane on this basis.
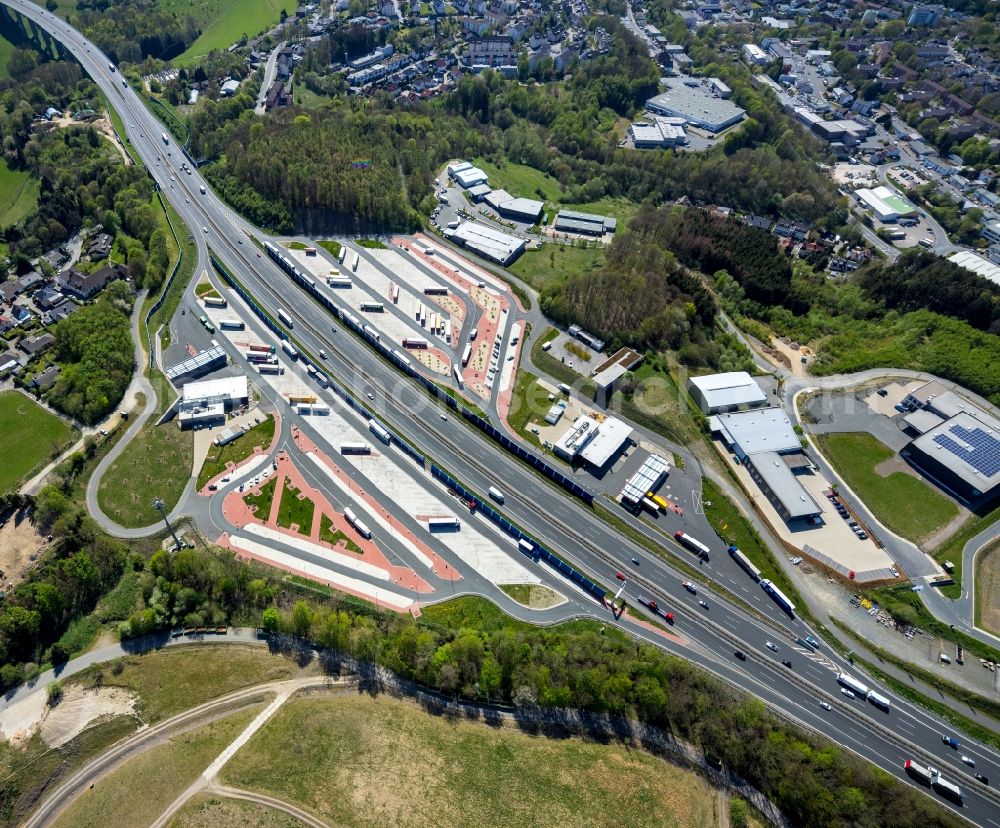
(217, 222)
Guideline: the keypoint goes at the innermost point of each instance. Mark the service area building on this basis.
(593, 440)
(200, 363)
(517, 209)
(607, 374)
(206, 403)
(730, 391)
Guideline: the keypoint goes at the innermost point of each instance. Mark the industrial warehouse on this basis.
(765, 442)
(593, 439)
(685, 98)
(731, 391)
(956, 444)
(489, 243)
(885, 204)
(586, 224)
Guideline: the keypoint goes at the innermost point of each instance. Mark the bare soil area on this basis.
(79, 708)
(20, 544)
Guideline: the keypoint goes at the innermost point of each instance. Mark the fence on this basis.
(538, 552)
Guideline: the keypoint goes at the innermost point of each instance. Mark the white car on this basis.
(796, 560)
(848, 693)
(772, 647)
(969, 761)
(825, 705)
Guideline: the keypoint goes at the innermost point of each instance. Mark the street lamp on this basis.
(158, 504)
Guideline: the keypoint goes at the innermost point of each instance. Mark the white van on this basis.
(496, 494)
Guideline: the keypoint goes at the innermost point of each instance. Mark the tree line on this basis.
(483, 655)
(922, 280)
(131, 30)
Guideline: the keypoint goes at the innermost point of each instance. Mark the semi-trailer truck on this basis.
(693, 544)
(778, 596)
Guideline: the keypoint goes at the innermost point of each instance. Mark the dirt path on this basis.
(267, 801)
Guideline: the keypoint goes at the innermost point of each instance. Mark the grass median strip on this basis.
(219, 457)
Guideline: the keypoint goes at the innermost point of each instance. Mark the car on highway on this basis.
(322, 354)
(951, 741)
(690, 587)
(969, 761)
(444, 417)
(982, 779)
(812, 641)
(848, 693)
(370, 395)
(787, 663)
(635, 561)
(826, 705)
(204, 229)
(742, 656)
(703, 604)
(620, 576)
(772, 647)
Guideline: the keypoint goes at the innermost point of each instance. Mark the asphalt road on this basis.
(558, 521)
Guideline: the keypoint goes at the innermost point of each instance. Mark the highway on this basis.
(560, 522)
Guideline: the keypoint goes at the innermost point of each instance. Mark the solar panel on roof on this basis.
(982, 449)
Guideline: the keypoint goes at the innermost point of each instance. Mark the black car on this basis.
(742, 656)
(982, 779)
(787, 663)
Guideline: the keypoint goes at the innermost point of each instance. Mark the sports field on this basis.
(223, 22)
(30, 434)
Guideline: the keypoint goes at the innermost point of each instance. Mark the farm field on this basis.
(359, 761)
(30, 435)
(901, 501)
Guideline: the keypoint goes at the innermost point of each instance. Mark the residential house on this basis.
(47, 298)
(86, 285)
(46, 379)
(99, 247)
(34, 345)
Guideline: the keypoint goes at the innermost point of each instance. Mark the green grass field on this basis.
(263, 500)
(554, 262)
(529, 403)
(295, 510)
(224, 22)
(6, 50)
(137, 792)
(18, 192)
(155, 464)
(30, 436)
(905, 504)
(208, 811)
(354, 760)
(217, 458)
(330, 246)
(332, 535)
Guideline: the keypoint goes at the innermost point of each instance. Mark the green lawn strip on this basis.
(455, 395)
(330, 246)
(139, 790)
(185, 270)
(991, 550)
(373, 244)
(529, 400)
(295, 245)
(730, 524)
(553, 262)
(905, 606)
(219, 457)
(329, 533)
(19, 192)
(951, 549)
(986, 706)
(906, 505)
(155, 464)
(263, 500)
(206, 289)
(32, 436)
(295, 510)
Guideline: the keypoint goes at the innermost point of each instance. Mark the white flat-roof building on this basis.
(781, 487)
(657, 135)
(758, 430)
(489, 243)
(884, 203)
(726, 392)
(754, 55)
(206, 403)
(470, 177)
(695, 105)
(595, 441)
(977, 264)
(519, 209)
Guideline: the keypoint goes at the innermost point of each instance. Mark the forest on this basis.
(919, 280)
(94, 346)
(128, 31)
(641, 297)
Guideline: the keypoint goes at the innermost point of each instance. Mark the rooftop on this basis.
(695, 104)
(785, 486)
(614, 367)
(729, 389)
(759, 430)
(967, 446)
(232, 388)
(977, 264)
(611, 435)
(647, 478)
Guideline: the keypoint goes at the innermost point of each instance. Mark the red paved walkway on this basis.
(257, 451)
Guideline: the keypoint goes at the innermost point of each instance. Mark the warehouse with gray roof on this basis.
(587, 224)
(687, 99)
(730, 391)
